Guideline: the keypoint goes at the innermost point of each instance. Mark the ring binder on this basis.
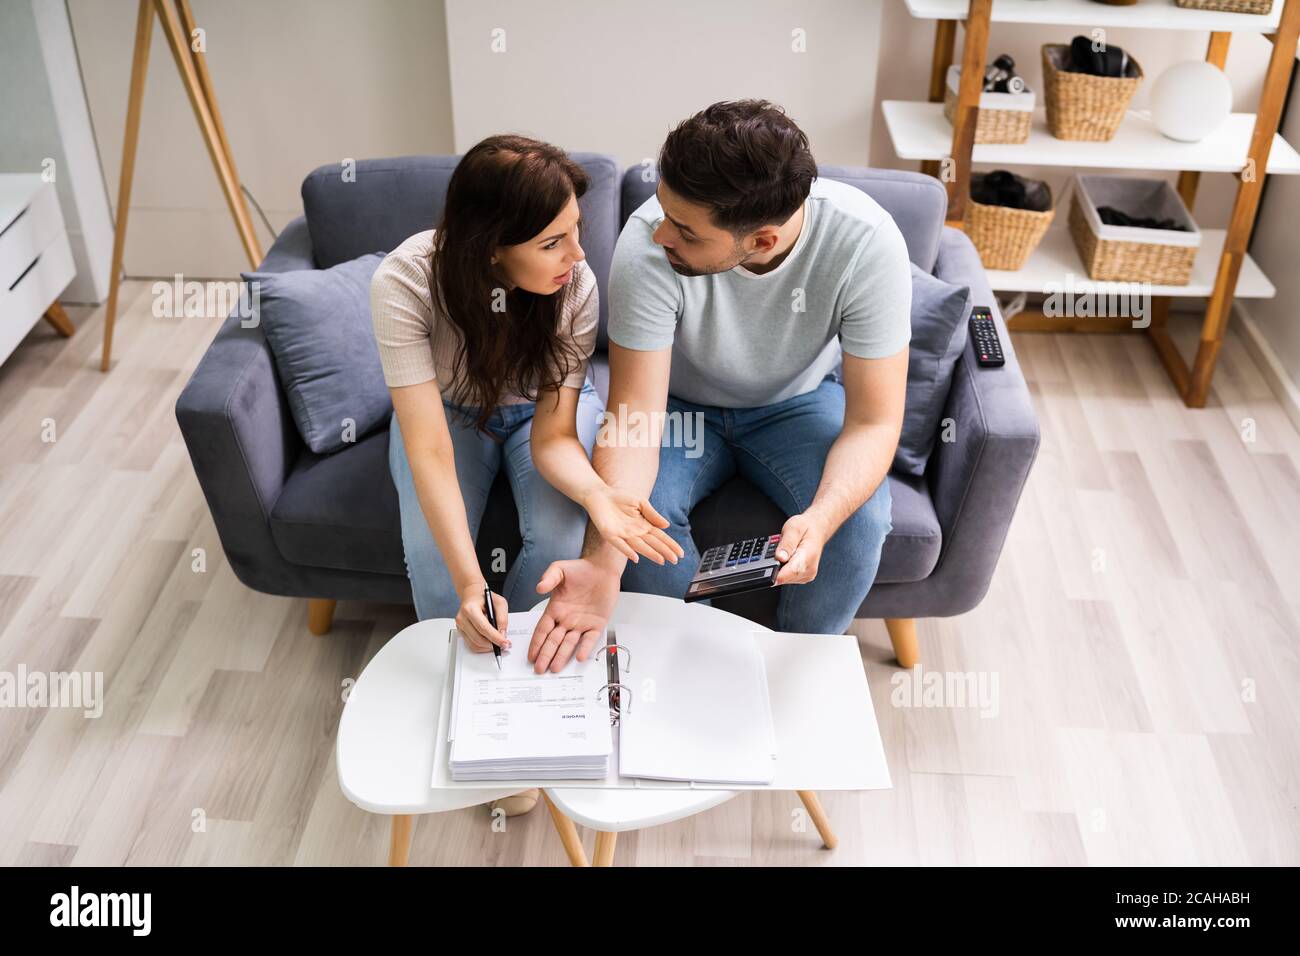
(616, 700)
(627, 656)
(612, 662)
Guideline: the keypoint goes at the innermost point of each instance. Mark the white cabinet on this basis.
(35, 258)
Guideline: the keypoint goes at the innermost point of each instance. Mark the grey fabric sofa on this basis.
(326, 528)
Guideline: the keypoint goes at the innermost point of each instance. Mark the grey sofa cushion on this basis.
(939, 311)
(341, 511)
(317, 323)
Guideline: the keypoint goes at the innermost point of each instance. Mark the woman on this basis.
(484, 328)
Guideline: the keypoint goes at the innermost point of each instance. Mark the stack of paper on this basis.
(512, 724)
(700, 709)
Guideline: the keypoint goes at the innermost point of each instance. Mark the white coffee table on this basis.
(387, 735)
(612, 811)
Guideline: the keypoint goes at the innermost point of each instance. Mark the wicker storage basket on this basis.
(1003, 117)
(1130, 253)
(1004, 237)
(1081, 106)
(1228, 6)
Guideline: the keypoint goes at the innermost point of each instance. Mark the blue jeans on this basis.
(551, 525)
(782, 450)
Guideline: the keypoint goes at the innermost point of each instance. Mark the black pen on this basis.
(492, 619)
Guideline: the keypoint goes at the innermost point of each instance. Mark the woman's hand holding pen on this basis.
(472, 621)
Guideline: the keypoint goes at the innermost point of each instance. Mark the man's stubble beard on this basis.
(738, 258)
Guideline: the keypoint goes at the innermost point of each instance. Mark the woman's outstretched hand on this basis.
(631, 524)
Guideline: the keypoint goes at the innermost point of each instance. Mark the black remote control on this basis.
(732, 568)
(984, 337)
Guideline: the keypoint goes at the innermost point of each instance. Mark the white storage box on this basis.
(1003, 117)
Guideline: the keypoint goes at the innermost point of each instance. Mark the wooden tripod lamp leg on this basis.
(240, 209)
(139, 66)
(181, 53)
(197, 81)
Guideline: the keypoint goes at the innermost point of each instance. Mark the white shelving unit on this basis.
(1246, 146)
(1055, 258)
(920, 131)
(1149, 14)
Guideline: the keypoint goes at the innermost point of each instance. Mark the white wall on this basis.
(44, 120)
(300, 83)
(615, 77)
(1274, 246)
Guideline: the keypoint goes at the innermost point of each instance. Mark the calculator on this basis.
(733, 568)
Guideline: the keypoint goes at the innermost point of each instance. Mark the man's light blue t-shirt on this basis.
(741, 339)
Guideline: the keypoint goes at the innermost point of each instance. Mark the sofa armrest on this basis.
(237, 426)
(291, 249)
(976, 478)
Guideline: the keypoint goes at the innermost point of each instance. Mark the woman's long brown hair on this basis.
(504, 191)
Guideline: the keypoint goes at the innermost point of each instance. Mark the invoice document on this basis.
(510, 722)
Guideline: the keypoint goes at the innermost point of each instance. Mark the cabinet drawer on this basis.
(31, 231)
(22, 306)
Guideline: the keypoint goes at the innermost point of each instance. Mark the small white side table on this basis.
(35, 259)
(387, 733)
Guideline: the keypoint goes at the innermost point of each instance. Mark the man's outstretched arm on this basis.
(584, 591)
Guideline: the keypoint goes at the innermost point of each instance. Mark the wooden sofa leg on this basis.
(320, 615)
(902, 633)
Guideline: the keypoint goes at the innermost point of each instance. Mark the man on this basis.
(734, 294)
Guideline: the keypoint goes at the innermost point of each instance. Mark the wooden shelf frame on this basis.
(1192, 381)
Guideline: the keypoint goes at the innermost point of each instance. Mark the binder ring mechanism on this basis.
(616, 697)
(619, 648)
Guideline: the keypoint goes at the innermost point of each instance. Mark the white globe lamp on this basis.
(1190, 100)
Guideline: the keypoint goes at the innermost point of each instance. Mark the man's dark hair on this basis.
(745, 160)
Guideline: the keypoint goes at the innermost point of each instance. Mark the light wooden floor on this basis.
(1143, 629)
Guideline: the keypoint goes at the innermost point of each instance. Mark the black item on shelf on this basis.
(1110, 60)
(1000, 76)
(1117, 217)
(1001, 187)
